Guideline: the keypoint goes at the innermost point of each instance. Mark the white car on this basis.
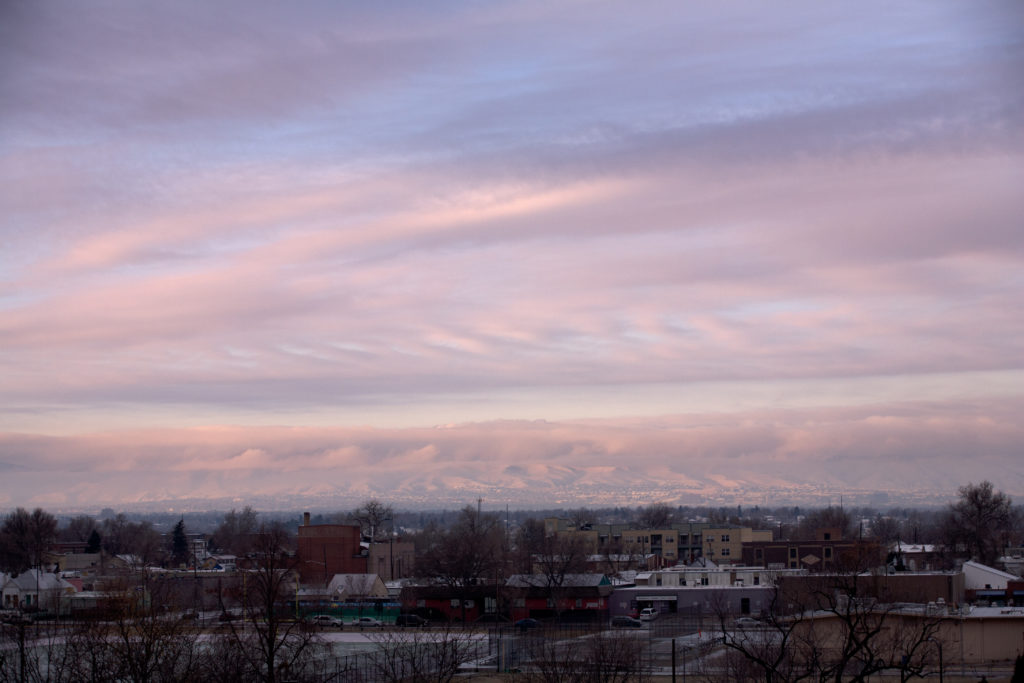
(648, 614)
(367, 622)
(327, 621)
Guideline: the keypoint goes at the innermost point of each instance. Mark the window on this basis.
(657, 581)
(669, 539)
(792, 553)
(828, 553)
(703, 580)
(757, 579)
(828, 536)
(725, 552)
(725, 538)
(758, 553)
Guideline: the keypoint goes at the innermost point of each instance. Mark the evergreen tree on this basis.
(1018, 670)
(179, 544)
(94, 542)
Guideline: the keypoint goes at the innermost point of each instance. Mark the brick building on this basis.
(328, 549)
(827, 552)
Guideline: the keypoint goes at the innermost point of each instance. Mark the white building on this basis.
(981, 577)
(33, 589)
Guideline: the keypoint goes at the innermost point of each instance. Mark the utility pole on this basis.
(673, 660)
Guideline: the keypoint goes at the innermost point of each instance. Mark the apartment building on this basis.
(724, 545)
(679, 543)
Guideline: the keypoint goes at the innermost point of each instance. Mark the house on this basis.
(356, 587)
(84, 564)
(914, 556)
(34, 589)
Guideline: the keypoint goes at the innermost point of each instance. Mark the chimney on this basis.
(305, 519)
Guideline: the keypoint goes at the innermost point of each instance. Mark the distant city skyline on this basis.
(252, 249)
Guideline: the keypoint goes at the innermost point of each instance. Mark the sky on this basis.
(255, 248)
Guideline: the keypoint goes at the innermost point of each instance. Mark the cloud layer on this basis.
(401, 217)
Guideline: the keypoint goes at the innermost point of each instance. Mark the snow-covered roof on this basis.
(979, 576)
(900, 546)
(33, 579)
(569, 581)
(356, 584)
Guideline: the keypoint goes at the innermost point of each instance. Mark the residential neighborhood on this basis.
(362, 573)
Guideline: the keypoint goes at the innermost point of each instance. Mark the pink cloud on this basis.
(870, 447)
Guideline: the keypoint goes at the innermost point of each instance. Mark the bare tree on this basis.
(617, 556)
(147, 640)
(829, 628)
(466, 554)
(371, 517)
(271, 645)
(555, 561)
(78, 529)
(138, 642)
(601, 658)
(420, 656)
(24, 538)
(656, 516)
(885, 529)
(980, 521)
(827, 518)
(235, 533)
(528, 538)
(138, 540)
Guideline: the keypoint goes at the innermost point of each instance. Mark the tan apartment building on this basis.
(680, 543)
(724, 545)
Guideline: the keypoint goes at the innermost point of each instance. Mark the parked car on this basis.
(410, 620)
(367, 622)
(326, 621)
(648, 614)
(528, 623)
(626, 622)
(747, 622)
